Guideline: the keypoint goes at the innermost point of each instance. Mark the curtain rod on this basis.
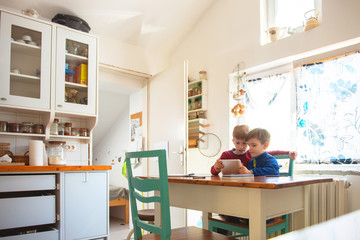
(329, 58)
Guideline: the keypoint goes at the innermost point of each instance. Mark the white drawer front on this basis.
(27, 183)
(48, 235)
(27, 211)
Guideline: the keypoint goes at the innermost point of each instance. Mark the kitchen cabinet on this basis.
(85, 205)
(76, 71)
(49, 203)
(52, 76)
(25, 64)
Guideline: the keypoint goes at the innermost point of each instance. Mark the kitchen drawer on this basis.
(16, 183)
(27, 211)
(45, 235)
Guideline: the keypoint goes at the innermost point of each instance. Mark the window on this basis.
(328, 110)
(286, 14)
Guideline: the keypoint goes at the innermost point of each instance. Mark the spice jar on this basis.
(14, 127)
(3, 126)
(55, 152)
(39, 129)
(54, 127)
(75, 132)
(27, 127)
(83, 132)
(61, 129)
(67, 129)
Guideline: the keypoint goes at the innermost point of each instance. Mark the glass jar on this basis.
(61, 129)
(39, 129)
(202, 75)
(27, 127)
(14, 127)
(83, 132)
(3, 126)
(67, 129)
(54, 127)
(56, 153)
(75, 132)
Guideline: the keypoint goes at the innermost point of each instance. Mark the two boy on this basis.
(256, 160)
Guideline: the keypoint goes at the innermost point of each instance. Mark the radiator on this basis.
(328, 200)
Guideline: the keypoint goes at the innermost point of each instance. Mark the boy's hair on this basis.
(260, 133)
(240, 131)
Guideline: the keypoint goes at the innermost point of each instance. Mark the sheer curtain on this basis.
(328, 110)
(268, 105)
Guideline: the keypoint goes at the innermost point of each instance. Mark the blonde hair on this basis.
(240, 131)
(260, 133)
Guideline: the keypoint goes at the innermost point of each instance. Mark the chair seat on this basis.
(147, 215)
(192, 232)
(277, 220)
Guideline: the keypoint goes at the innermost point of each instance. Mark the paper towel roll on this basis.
(36, 153)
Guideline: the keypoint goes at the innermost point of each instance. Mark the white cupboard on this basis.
(25, 64)
(85, 208)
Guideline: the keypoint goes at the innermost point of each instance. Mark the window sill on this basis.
(333, 169)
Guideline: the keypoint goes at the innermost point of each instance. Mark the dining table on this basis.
(256, 198)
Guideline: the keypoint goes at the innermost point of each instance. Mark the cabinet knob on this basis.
(3, 99)
(60, 105)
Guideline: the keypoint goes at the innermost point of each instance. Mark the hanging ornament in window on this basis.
(238, 94)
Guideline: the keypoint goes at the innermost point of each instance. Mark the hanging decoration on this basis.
(238, 91)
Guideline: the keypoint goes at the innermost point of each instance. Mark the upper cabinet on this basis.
(76, 72)
(25, 63)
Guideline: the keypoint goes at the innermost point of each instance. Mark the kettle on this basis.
(312, 20)
(275, 33)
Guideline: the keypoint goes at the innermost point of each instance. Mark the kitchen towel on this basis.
(36, 153)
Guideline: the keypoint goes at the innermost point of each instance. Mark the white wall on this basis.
(228, 34)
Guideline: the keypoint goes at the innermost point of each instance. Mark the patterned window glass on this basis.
(328, 111)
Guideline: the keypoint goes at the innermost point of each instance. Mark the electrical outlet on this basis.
(69, 148)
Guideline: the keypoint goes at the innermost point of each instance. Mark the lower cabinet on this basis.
(85, 205)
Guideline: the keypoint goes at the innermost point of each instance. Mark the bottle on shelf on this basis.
(54, 130)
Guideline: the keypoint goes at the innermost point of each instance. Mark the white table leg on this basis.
(205, 220)
(306, 205)
(257, 219)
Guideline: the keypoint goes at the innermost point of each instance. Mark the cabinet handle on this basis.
(4, 99)
(60, 105)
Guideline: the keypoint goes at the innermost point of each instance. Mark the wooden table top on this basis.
(53, 168)
(271, 182)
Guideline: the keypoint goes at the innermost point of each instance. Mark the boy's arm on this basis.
(213, 171)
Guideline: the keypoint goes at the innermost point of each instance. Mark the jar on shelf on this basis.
(55, 152)
(67, 129)
(61, 129)
(39, 129)
(202, 75)
(54, 127)
(14, 127)
(75, 132)
(27, 127)
(189, 105)
(199, 88)
(3, 126)
(83, 132)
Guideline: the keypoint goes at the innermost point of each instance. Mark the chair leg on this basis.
(130, 234)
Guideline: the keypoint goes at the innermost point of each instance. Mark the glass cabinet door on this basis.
(25, 62)
(76, 72)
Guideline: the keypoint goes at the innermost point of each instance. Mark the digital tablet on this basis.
(231, 166)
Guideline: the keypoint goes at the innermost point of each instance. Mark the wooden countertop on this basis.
(53, 168)
(273, 182)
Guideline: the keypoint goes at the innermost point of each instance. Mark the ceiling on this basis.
(154, 25)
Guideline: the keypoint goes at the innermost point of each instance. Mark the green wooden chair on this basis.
(242, 229)
(160, 184)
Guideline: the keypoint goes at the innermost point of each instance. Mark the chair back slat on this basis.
(291, 165)
(146, 185)
(144, 199)
(161, 192)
